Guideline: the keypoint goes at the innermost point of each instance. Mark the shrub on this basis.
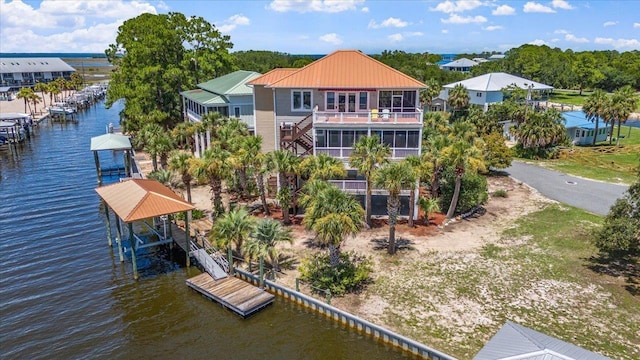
(500, 193)
(351, 275)
(473, 190)
(195, 215)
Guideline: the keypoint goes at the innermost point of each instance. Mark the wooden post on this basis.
(230, 259)
(187, 235)
(119, 239)
(106, 213)
(261, 271)
(133, 251)
(127, 163)
(96, 159)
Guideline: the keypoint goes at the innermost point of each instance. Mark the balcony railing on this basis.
(344, 153)
(367, 117)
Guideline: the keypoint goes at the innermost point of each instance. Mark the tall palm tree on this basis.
(394, 177)
(367, 156)
(284, 163)
(322, 167)
(213, 167)
(432, 154)
(258, 163)
(43, 88)
(249, 147)
(623, 103)
(418, 168)
(147, 138)
(433, 89)
(458, 98)
(463, 156)
(163, 145)
(183, 133)
(264, 240)
(232, 229)
(333, 215)
(35, 99)
(595, 108)
(182, 162)
(25, 93)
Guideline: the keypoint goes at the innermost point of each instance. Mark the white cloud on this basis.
(561, 4)
(636, 25)
(395, 37)
(233, 22)
(561, 31)
(331, 38)
(610, 23)
(456, 6)
(534, 7)
(328, 6)
(390, 22)
(630, 44)
(415, 33)
(493, 28)
(503, 10)
(365, 9)
(457, 19)
(555, 40)
(573, 38)
(444, 31)
(538, 42)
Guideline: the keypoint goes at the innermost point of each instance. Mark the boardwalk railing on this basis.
(207, 261)
(351, 320)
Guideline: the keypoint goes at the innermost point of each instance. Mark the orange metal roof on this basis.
(272, 76)
(139, 199)
(346, 69)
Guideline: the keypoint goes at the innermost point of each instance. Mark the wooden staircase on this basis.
(297, 137)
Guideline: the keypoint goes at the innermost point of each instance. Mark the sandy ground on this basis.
(17, 106)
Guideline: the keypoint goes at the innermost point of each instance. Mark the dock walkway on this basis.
(233, 293)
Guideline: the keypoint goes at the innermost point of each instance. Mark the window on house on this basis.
(236, 112)
(321, 138)
(360, 134)
(348, 138)
(413, 139)
(334, 138)
(479, 94)
(331, 100)
(385, 99)
(387, 138)
(577, 133)
(582, 133)
(401, 139)
(364, 100)
(301, 100)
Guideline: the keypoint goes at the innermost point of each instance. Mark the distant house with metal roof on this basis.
(227, 95)
(16, 73)
(496, 57)
(581, 131)
(515, 341)
(461, 65)
(487, 89)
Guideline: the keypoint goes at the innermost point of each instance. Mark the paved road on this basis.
(594, 196)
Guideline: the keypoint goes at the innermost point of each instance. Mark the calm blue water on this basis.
(65, 295)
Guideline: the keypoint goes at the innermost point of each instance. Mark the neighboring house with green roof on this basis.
(227, 95)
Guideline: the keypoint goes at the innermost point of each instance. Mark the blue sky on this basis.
(322, 26)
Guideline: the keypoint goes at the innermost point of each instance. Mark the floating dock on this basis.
(235, 294)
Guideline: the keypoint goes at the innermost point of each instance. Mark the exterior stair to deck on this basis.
(297, 137)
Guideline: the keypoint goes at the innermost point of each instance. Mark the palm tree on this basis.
(333, 215)
(162, 176)
(623, 103)
(54, 91)
(213, 167)
(26, 94)
(418, 168)
(259, 165)
(183, 133)
(433, 89)
(284, 163)
(263, 241)
(394, 177)
(463, 156)
(249, 147)
(43, 88)
(163, 144)
(322, 167)
(147, 136)
(433, 155)
(367, 156)
(181, 162)
(458, 97)
(232, 228)
(35, 98)
(595, 108)
(429, 205)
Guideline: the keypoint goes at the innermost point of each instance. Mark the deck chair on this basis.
(374, 114)
(385, 115)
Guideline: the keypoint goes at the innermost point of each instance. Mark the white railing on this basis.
(367, 117)
(353, 185)
(344, 153)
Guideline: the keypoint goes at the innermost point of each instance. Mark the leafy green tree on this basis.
(394, 177)
(458, 98)
(596, 107)
(213, 168)
(623, 103)
(182, 162)
(586, 71)
(232, 229)
(322, 167)
(285, 163)
(619, 236)
(333, 215)
(367, 156)
(152, 61)
(264, 240)
(495, 152)
(463, 156)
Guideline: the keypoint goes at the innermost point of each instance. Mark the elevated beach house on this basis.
(461, 65)
(328, 105)
(227, 95)
(16, 73)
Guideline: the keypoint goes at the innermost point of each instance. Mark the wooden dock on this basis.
(235, 294)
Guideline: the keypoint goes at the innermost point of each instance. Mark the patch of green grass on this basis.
(571, 97)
